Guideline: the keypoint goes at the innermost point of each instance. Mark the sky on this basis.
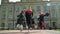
(10, 1)
(18, 0)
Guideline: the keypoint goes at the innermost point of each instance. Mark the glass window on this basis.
(10, 24)
(45, 8)
(10, 16)
(53, 15)
(58, 7)
(3, 9)
(24, 7)
(52, 8)
(46, 17)
(11, 9)
(38, 8)
(3, 16)
(17, 8)
(2, 25)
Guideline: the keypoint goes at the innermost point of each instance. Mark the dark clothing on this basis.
(41, 19)
(33, 22)
(29, 18)
(21, 19)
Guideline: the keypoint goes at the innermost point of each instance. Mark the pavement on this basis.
(29, 32)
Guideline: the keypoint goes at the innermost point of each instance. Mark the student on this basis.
(41, 17)
(29, 15)
(21, 19)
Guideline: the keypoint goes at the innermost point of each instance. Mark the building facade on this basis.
(10, 10)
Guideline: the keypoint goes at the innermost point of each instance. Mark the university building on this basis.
(10, 10)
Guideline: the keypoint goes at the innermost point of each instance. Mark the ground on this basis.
(30, 32)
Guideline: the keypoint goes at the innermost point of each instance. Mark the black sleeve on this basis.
(47, 14)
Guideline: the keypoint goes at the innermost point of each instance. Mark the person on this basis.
(41, 18)
(21, 19)
(29, 15)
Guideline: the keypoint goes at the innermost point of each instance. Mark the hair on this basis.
(22, 11)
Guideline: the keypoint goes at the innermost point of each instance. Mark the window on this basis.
(11, 9)
(58, 7)
(46, 17)
(2, 25)
(3, 16)
(3, 9)
(24, 7)
(10, 16)
(10, 24)
(38, 8)
(52, 8)
(45, 8)
(53, 15)
(17, 8)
